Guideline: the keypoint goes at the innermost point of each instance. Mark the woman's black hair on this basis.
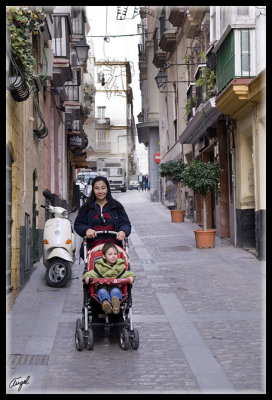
(91, 200)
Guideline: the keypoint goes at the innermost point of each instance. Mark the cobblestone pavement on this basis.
(200, 314)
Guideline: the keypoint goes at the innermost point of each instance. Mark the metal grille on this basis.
(27, 359)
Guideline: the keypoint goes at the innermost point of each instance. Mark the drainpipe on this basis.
(234, 193)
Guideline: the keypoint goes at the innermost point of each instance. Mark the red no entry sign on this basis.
(157, 157)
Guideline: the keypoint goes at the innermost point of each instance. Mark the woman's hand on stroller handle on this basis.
(119, 234)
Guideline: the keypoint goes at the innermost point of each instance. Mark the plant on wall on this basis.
(191, 102)
(206, 79)
(22, 23)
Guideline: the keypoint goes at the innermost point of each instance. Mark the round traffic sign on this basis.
(157, 157)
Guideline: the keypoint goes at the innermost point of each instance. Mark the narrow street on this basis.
(200, 314)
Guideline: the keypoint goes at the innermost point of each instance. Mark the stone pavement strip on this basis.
(200, 314)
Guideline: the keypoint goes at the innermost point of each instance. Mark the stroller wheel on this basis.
(135, 341)
(124, 339)
(79, 339)
(78, 324)
(90, 340)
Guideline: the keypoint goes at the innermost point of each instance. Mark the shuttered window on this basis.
(225, 62)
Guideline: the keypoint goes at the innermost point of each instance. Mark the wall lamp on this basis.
(82, 49)
(161, 81)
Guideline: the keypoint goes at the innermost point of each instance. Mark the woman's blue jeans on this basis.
(108, 294)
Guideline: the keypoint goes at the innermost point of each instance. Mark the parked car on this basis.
(133, 183)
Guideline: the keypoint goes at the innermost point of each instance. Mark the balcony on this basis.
(61, 35)
(102, 121)
(160, 58)
(103, 147)
(168, 40)
(61, 72)
(72, 92)
(194, 18)
(177, 16)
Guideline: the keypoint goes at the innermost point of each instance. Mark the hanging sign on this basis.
(75, 140)
(157, 157)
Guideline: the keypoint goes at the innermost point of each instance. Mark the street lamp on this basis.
(161, 80)
(140, 117)
(82, 49)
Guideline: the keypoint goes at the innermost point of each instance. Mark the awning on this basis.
(206, 115)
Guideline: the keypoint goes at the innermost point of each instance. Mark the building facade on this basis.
(112, 136)
(148, 126)
(38, 150)
(209, 64)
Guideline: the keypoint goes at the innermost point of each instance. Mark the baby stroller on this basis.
(92, 313)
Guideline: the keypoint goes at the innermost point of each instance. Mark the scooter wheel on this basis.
(58, 273)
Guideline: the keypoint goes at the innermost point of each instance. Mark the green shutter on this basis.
(225, 62)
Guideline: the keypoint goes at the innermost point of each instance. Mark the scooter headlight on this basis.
(65, 214)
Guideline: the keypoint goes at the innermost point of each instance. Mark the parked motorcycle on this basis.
(58, 244)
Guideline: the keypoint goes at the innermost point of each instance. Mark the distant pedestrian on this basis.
(146, 182)
(141, 182)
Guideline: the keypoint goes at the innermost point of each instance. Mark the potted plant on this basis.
(203, 177)
(173, 170)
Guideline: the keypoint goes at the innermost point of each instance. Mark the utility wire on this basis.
(133, 34)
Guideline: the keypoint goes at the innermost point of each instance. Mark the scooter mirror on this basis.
(47, 194)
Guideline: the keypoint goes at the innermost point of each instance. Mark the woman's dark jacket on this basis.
(84, 221)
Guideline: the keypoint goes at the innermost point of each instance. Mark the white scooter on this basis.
(58, 245)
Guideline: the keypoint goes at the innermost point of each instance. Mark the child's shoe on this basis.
(106, 307)
(115, 305)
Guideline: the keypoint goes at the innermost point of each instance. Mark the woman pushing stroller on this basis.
(107, 265)
(102, 212)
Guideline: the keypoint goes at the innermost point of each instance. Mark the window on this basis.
(101, 136)
(243, 11)
(225, 14)
(213, 23)
(245, 52)
(60, 39)
(101, 112)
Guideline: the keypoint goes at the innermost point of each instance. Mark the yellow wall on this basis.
(27, 156)
(250, 143)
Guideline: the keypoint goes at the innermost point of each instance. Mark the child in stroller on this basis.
(107, 295)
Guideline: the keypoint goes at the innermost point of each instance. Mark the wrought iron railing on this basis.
(17, 84)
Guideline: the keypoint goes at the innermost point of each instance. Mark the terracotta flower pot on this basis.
(205, 239)
(177, 215)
